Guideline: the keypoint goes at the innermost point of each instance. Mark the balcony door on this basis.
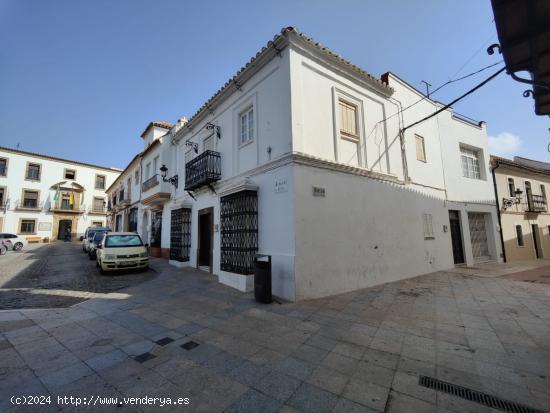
(206, 239)
(536, 240)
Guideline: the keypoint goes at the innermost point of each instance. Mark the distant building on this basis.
(43, 197)
(521, 185)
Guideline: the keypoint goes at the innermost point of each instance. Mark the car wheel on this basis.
(18, 246)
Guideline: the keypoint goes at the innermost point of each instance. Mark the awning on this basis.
(523, 28)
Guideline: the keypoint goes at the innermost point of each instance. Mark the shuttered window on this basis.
(348, 120)
(420, 149)
(98, 204)
(30, 199)
(428, 226)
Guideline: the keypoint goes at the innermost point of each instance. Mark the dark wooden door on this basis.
(206, 232)
(535, 232)
(456, 237)
(64, 229)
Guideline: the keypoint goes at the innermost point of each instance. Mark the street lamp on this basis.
(173, 180)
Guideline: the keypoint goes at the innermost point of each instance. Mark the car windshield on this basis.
(91, 234)
(98, 236)
(114, 241)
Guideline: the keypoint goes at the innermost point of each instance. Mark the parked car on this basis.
(92, 248)
(17, 242)
(121, 251)
(89, 236)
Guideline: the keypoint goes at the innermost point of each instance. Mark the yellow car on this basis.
(121, 251)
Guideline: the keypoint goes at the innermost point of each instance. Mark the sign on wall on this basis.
(281, 185)
(44, 226)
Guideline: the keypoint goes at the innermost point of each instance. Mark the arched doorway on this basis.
(64, 229)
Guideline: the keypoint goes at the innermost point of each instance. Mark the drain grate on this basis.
(142, 358)
(190, 345)
(475, 396)
(164, 341)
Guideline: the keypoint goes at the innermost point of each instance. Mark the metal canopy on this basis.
(523, 28)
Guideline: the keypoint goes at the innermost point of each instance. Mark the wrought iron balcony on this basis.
(64, 207)
(151, 182)
(97, 210)
(203, 170)
(536, 203)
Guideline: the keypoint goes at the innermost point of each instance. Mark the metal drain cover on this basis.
(190, 345)
(142, 358)
(164, 341)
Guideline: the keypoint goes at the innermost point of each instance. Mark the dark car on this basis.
(92, 247)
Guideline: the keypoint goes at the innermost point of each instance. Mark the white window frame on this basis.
(249, 114)
(155, 163)
(147, 171)
(337, 95)
(422, 140)
(473, 154)
(427, 221)
(342, 133)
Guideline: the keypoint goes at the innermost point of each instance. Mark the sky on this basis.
(81, 79)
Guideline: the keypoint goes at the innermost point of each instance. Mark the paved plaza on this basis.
(183, 335)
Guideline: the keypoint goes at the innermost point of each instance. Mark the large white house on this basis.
(43, 198)
(307, 158)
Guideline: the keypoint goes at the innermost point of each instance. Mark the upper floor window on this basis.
(69, 174)
(33, 171)
(155, 164)
(3, 167)
(420, 148)
(148, 170)
(136, 177)
(543, 191)
(511, 187)
(30, 199)
(247, 126)
(100, 182)
(348, 120)
(98, 204)
(470, 163)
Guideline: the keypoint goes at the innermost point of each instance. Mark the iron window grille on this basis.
(239, 232)
(180, 234)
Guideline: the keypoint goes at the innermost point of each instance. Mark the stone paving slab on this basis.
(357, 352)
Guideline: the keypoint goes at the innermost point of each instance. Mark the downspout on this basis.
(498, 211)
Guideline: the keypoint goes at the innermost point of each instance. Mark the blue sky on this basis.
(81, 79)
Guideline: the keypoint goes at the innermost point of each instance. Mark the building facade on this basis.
(521, 186)
(306, 158)
(44, 198)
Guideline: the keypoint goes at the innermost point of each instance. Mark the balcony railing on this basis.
(203, 170)
(536, 203)
(151, 182)
(97, 210)
(60, 207)
(29, 205)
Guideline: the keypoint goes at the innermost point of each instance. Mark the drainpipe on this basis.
(498, 211)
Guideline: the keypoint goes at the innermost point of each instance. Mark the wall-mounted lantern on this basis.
(194, 145)
(215, 128)
(173, 180)
(518, 193)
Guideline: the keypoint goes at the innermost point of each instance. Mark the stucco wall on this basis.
(362, 233)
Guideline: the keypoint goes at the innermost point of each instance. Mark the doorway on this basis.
(456, 237)
(205, 235)
(536, 240)
(65, 226)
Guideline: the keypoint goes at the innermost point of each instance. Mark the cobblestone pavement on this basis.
(183, 334)
(55, 275)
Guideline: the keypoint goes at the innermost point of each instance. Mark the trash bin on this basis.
(262, 279)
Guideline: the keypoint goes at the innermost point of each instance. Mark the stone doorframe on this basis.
(55, 225)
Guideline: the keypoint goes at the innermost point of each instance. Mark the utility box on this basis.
(262, 279)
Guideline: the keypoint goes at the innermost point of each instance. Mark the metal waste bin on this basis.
(262, 279)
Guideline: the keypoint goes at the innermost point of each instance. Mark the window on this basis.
(155, 164)
(33, 172)
(136, 176)
(428, 226)
(543, 191)
(27, 226)
(148, 170)
(420, 149)
(519, 235)
(470, 163)
(3, 167)
(100, 182)
(2, 196)
(70, 174)
(348, 120)
(30, 199)
(129, 187)
(247, 126)
(97, 223)
(511, 187)
(98, 204)
(549, 231)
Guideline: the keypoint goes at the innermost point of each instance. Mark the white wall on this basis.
(362, 233)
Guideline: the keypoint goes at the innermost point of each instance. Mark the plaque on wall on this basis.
(44, 226)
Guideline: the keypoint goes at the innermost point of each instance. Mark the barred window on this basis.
(239, 232)
(180, 234)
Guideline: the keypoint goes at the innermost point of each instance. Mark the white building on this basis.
(43, 197)
(300, 156)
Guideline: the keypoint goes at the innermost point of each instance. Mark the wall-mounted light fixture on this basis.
(215, 128)
(173, 180)
(194, 145)
(518, 193)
